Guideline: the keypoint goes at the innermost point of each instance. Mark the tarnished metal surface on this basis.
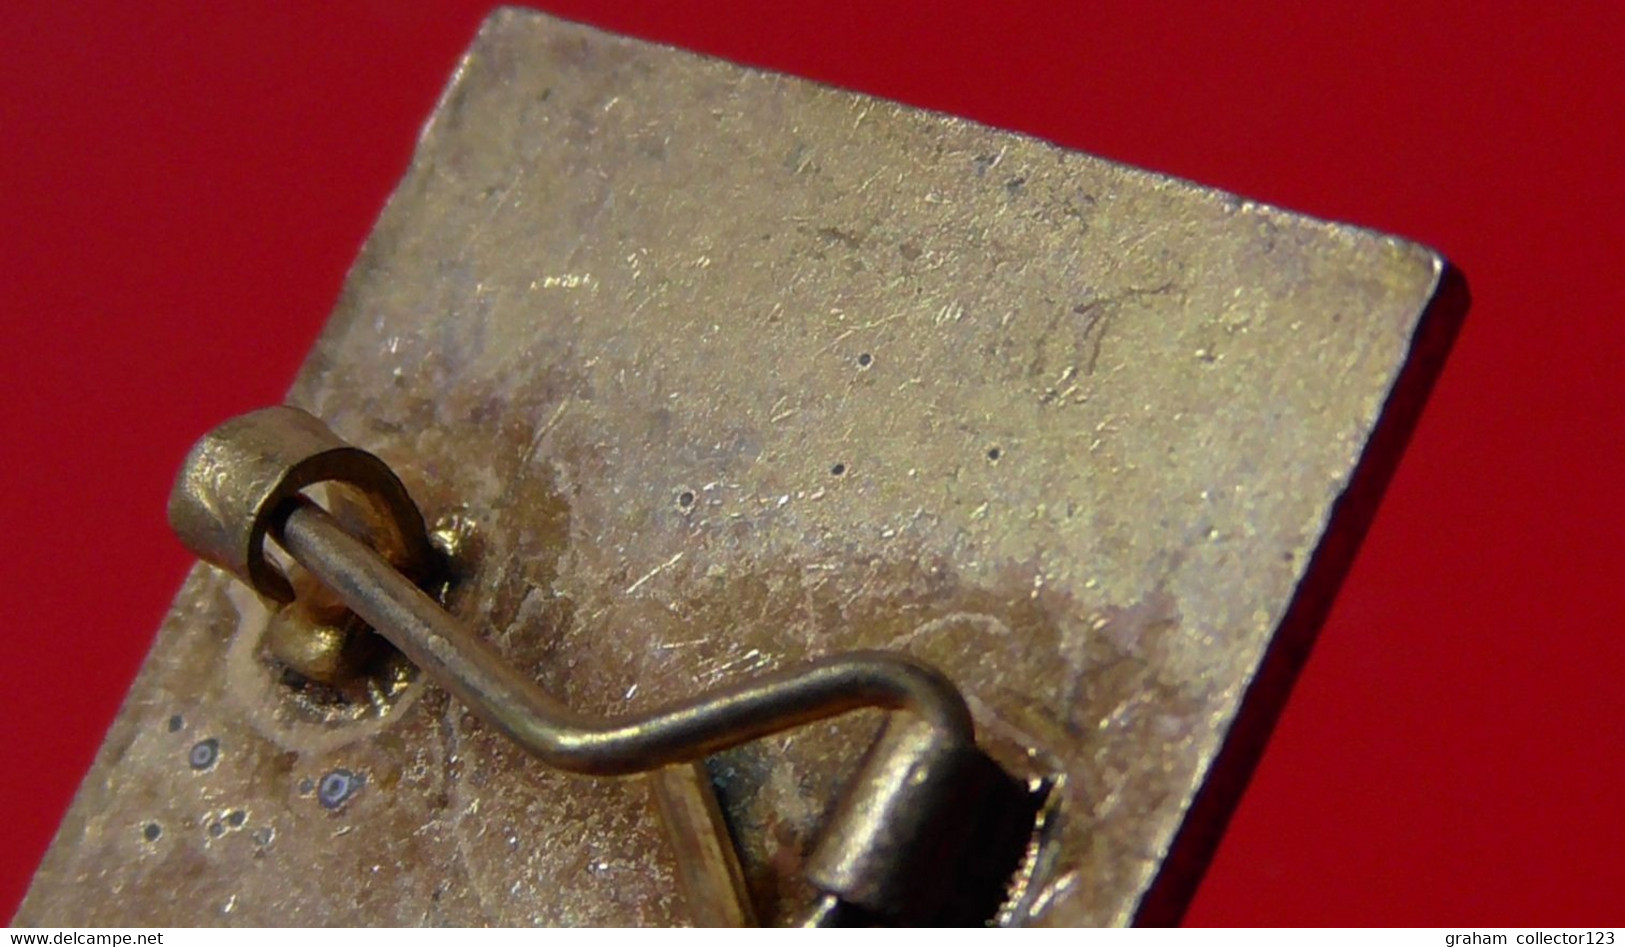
(720, 370)
(715, 893)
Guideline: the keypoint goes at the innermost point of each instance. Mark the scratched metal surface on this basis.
(723, 369)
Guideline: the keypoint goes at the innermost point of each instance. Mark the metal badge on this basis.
(730, 403)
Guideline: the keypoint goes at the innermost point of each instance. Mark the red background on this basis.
(182, 188)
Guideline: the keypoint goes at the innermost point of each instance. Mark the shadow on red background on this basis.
(182, 189)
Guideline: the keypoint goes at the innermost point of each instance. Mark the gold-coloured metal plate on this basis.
(718, 370)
